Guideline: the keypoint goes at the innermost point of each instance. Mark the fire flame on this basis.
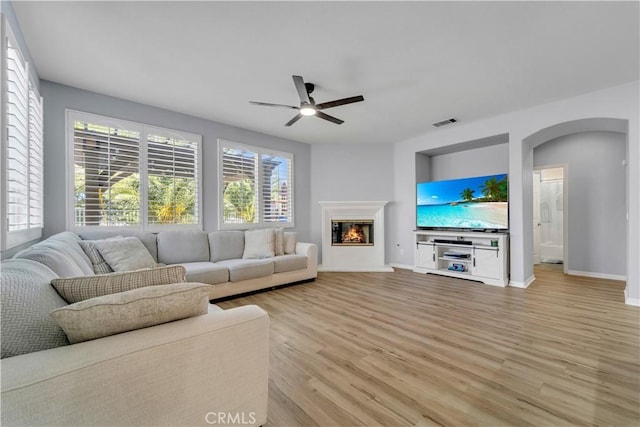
(353, 235)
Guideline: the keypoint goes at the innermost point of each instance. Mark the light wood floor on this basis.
(410, 349)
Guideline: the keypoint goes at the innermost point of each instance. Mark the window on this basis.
(22, 148)
(128, 174)
(256, 186)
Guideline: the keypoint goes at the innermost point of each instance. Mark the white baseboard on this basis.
(631, 301)
(523, 285)
(597, 275)
(381, 269)
(402, 266)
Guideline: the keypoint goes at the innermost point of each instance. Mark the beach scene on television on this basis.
(476, 203)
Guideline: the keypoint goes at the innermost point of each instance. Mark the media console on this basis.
(467, 255)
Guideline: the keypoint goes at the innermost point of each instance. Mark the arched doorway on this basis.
(568, 130)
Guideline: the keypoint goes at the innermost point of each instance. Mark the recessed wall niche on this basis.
(483, 156)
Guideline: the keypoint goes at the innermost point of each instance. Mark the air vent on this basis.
(445, 122)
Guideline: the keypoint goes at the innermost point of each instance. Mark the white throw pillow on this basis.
(259, 243)
(125, 254)
(290, 242)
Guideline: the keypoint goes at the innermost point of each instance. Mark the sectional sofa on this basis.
(191, 371)
(214, 258)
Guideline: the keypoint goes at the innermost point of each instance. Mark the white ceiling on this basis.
(415, 62)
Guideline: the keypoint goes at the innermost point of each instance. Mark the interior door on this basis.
(536, 217)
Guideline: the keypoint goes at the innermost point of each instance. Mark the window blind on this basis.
(22, 147)
(128, 174)
(36, 154)
(173, 176)
(240, 196)
(17, 114)
(106, 172)
(276, 188)
(257, 186)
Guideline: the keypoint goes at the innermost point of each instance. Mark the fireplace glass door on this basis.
(352, 232)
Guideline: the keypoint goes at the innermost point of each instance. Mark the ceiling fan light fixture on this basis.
(308, 105)
(307, 110)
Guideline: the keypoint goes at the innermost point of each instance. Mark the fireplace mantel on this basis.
(353, 257)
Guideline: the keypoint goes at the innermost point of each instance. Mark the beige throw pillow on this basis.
(126, 311)
(125, 254)
(279, 241)
(75, 289)
(258, 244)
(290, 242)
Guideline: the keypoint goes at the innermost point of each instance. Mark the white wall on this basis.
(596, 198)
(350, 173)
(58, 97)
(617, 102)
(476, 162)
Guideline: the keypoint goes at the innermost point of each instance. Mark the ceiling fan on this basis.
(308, 106)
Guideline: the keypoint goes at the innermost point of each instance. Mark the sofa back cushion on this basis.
(59, 262)
(27, 299)
(62, 254)
(226, 245)
(68, 243)
(147, 239)
(175, 247)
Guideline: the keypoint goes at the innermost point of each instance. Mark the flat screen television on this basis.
(476, 203)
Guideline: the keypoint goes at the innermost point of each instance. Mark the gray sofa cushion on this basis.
(176, 247)
(67, 243)
(244, 269)
(206, 272)
(226, 245)
(147, 239)
(27, 298)
(285, 263)
(59, 262)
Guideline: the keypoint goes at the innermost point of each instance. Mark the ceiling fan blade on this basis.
(295, 119)
(328, 117)
(268, 104)
(337, 102)
(302, 90)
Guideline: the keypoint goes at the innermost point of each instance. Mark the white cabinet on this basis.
(425, 255)
(486, 263)
(468, 255)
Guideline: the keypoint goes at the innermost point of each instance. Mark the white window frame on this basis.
(33, 231)
(260, 151)
(72, 116)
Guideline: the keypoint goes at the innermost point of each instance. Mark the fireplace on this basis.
(353, 236)
(357, 232)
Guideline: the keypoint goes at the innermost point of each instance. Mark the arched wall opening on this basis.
(597, 124)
